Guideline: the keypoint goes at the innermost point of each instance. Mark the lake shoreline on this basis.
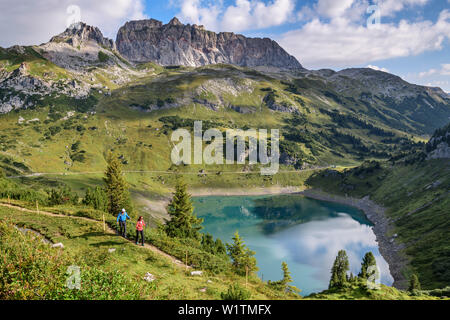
(389, 249)
(245, 192)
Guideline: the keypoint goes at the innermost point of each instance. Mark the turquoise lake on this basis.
(305, 233)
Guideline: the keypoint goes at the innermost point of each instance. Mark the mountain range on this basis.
(81, 59)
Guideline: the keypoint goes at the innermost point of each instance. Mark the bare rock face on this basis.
(80, 33)
(439, 145)
(191, 45)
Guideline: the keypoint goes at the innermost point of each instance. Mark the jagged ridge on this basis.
(191, 45)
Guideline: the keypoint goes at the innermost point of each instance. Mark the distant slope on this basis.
(395, 102)
(415, 192)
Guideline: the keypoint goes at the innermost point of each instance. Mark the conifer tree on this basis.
(368, 260)
(414, 283)
(183, 223)
(286, 273)
(220, 247)
(339, 270)
(284, 284)
(351, 278)
(96, 198)
(241, 256)
(208, 243)
(116, 187)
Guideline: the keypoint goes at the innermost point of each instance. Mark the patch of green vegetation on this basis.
(32, 270)
(86, 245)
(102, 57)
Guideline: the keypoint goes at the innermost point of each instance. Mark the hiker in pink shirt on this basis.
(140, 230)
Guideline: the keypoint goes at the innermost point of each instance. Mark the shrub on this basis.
(236, 292)
(102, 57)
(61, 196)
(96, 198)
(32, 270)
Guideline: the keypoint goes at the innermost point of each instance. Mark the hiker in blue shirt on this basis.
(122, 221)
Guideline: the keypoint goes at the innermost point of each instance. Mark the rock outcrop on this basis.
(80, 33)
(191, 45)
(439, 145)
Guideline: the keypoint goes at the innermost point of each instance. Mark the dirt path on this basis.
(109, 230)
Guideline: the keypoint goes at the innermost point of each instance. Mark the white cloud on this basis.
(390, 7)
(333, 8)
(445, 71)
(341, 42)
(33, 22)
(317, 243)
(242, 15)
(377, 68)
(427, 73)
(194, 11)
(246, 15)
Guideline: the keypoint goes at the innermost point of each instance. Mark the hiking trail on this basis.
(109, 230)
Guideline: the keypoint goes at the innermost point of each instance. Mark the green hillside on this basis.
(340, 132)
(417, 201)
(34, 270)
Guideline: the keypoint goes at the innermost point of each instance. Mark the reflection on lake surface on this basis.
(305, 233)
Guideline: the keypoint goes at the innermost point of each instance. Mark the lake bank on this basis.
(389, 248)
(245, 192)
(303, 232)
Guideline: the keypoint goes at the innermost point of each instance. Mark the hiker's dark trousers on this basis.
(142, 236)
(123, 228)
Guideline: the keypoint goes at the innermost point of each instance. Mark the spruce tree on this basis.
(96, 198)
(183, 223)
(220, 247)
(208, 243)
(286, 273)
(241, 256)
(339, 270)
(368, 260)
(116, 187)
(414, 283)
(287, 280)
(284, 284)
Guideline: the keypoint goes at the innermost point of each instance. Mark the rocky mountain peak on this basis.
(175, 22)
(80, 33)
(191, 45)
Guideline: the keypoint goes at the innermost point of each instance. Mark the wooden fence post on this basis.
(104, 225)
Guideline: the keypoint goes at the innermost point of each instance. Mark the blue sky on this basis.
(411, 38)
